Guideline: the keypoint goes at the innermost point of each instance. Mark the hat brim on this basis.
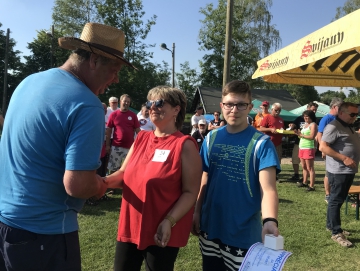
(71, 43)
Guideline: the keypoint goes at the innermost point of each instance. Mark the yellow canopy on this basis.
(329, 56)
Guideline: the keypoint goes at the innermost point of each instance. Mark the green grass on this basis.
(301, 221)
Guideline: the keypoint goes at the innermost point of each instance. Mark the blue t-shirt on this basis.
(54, 123)
(231, 209)
(325, 121)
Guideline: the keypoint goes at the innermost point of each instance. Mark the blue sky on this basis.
(178, 22)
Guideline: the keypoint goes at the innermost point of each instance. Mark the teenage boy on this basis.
(238, 185)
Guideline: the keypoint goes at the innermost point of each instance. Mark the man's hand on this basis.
(108, 150)
(195, 230)
(349, 162)
(103, 187)
(269, 228)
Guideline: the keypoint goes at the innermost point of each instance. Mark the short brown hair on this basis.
(174, 97)
(237, 87)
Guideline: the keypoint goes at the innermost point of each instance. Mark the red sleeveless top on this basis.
(152, 185)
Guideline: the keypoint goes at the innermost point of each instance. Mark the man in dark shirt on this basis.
(200, 134)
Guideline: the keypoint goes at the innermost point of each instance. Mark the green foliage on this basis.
(14, 68)
(188, 81)
(354, 96)
(253, 38)
(349, 6)
(303, 94)
(42, 49)
(70, 16)
(327, 96)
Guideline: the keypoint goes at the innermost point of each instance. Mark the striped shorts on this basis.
(219, 256)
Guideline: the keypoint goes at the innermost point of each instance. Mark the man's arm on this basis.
(137, 130)
(270, 200)
(84, 184)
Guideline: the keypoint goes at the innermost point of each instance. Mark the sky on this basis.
(177, 22)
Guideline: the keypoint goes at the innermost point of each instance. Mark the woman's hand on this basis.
(163, 233)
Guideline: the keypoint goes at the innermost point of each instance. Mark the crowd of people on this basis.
(55, 158)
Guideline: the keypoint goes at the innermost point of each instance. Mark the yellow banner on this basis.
(329, 56)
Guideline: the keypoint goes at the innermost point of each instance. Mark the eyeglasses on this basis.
(158, 103)
(277, 111)
(352, 114)
(216, 114)
(239, 106)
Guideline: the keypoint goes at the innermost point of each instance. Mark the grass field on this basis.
(301, 222)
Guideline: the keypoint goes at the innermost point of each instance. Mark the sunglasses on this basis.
(352, 114)
(158, 103)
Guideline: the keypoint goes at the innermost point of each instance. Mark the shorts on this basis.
(117, 157)
(295, 160)
(307, 154)
(219, 256)
(25, 250)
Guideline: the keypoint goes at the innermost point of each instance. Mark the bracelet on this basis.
(171, 219)
(271, 219)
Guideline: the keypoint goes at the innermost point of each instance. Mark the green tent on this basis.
(133, 110)
(323, 110)
(286, 115)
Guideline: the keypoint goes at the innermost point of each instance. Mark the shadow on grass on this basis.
(109, 205)
(285, 201)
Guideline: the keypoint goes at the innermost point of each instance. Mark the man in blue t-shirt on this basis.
(50, 150)
(238, 163)
(334, 108)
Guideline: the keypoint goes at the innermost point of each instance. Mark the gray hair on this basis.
(335, 102)
(79, 56)
(276, 105)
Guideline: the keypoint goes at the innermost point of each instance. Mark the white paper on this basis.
(160, 155)
(260, 258)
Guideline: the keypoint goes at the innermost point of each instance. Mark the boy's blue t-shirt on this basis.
(54, 123)
(231, 209)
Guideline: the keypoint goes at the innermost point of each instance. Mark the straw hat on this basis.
(100, 39)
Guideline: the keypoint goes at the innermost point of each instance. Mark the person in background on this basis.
(161, 172)
(260, 115)
(334, 108)
(239, 169)
(199, 115)
(270, 124)
(200, 134)
(307, 150)
(124, 124)
(216, 122)
(341, 146)
(144, 120)
(295, 160)
(113, 106)
(49, 154)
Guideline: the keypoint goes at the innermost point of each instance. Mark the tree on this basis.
(188, 81)
(14, 67)
(70, 16)
(349, 6)
(303, 94)
(327, 96)
(253, 38)
(41, 53)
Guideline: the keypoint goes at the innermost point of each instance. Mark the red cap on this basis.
(266, 103)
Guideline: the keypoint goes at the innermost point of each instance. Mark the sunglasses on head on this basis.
(158, 103)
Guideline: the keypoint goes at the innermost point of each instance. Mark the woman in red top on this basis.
(160, 178)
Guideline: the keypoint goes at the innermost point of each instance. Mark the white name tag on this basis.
(160, 155)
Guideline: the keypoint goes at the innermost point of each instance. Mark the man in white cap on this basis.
(199, 115)
(49, 155)
(200, 134)
(113, 105)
